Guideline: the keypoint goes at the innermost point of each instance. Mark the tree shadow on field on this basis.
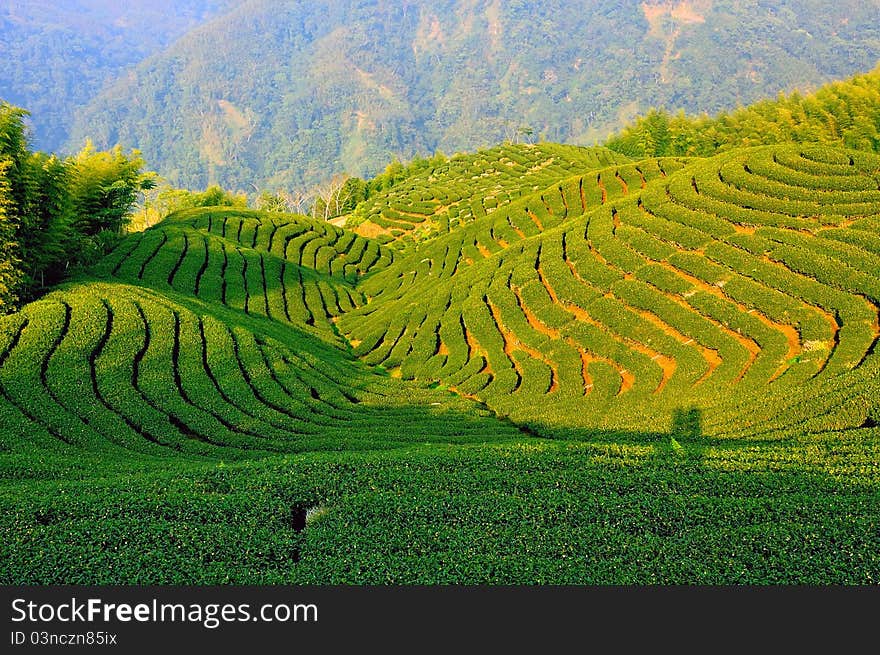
(684, 440)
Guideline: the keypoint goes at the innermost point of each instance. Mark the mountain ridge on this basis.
(318, 89)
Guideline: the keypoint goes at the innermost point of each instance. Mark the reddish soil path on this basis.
(519, 232)
(370, 230)
(828, 316)
(475, 350)
(791, 334)
(709, 354)
(713, 360)
(535, 219)
(564, 201)
(537, 324)
(585, 365)
(512, 343)
(601, 186)
(667, 364)
(627, 379)
(623, 184)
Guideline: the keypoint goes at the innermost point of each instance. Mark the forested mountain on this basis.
(284, 94)
(58, 55)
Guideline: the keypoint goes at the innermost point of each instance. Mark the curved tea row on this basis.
(756, 270)
(468, 187)
(213, 336)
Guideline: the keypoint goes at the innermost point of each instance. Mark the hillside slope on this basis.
(301, 90)
(212, 336)
(619, 299)
(841, 113)
(467, 187)
(662, 371)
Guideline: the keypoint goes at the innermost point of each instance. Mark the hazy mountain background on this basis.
(282, 94)
(57, 54)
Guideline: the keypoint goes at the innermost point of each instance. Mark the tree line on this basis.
(843, 113)
(58, 214)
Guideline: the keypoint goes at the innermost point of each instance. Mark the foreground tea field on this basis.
(637, 372)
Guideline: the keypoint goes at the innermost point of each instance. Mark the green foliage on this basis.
(521, 512)
(56, 213)
(846, 113)
(641, 285)
(105, 187)
(436, 195)
(213, 196)
(13, 157)
(163, 200)
(10, 273)
(271, 202)
(46, 233)
(612, 372)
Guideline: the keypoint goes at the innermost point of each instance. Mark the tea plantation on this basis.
(583, 370)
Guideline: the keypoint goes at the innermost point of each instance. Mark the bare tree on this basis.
(525, 132)
(298, 202)
(514, 133)
(328, 197)
(509, 131)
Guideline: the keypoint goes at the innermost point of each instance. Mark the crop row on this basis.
(470, 187)
(254, 281)
(834, 283)
(554, 305)
(443, 257)
(119, 368)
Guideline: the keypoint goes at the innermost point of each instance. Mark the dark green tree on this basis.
(13, 192)
(14, 148)
(45, 233)
(10, 274)
(55, 212)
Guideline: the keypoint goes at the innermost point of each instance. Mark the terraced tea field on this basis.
(590, 370)
(597, 308)
(468, 187)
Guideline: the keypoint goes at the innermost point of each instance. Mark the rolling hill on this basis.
(615, 291)
(661, 370)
